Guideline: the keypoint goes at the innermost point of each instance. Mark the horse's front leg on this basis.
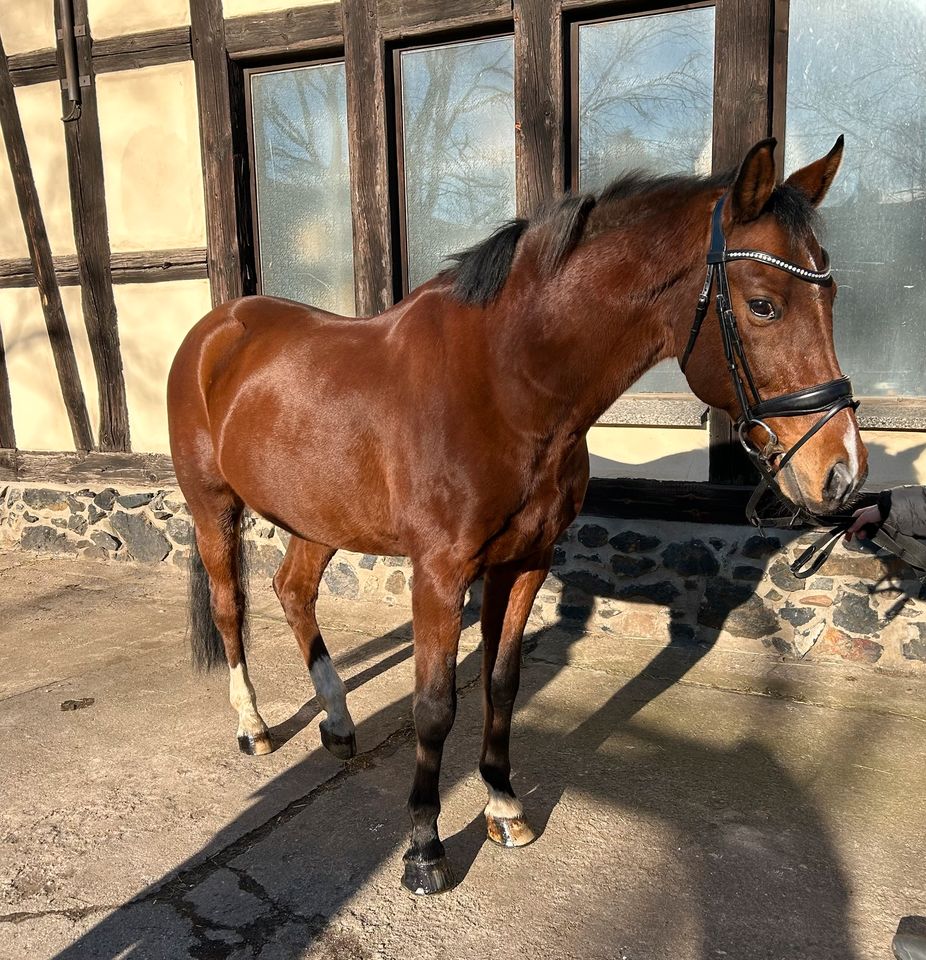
(437, 604)
(507, 600)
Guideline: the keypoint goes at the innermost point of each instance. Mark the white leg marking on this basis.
(242, 697)
(502, 806)
(332, 695)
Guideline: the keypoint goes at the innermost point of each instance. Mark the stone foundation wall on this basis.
(637, 580)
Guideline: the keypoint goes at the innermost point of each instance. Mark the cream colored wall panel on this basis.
(39, 414)
(27, 25)
(244, 8)
(895, 458)
(110, 18)
(151, 159)
(153, 320)
(667, 453)
(40, 111)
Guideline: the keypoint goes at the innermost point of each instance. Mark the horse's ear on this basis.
(815, 179)
(754, 182)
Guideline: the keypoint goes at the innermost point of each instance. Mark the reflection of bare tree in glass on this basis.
(304, 185)
(645, 88)
(459, 147)
(846, 76)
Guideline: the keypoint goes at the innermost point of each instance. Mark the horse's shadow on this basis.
(272, 891)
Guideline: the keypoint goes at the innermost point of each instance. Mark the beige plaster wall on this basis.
(39, 415)
(109, 18)
(40, 112)
(27, 25)
(243, 8)
(151, 158)
(895, 458)
(153, 320)
(668, 453)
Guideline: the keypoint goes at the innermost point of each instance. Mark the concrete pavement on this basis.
(692, 804)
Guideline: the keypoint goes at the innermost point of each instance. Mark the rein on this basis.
(827, 399)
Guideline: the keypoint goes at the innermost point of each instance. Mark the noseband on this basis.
(823, 398)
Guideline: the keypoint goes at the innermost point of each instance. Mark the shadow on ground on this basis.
(753, 871)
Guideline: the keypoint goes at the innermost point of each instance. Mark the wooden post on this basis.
(91, 237)
(538, 99)
(742, 117)
(40, 255)
(210, 60)
(367, 147)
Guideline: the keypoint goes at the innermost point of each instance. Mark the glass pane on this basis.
(303, 185)
(849, 75)
(458, 119)
(645, 101)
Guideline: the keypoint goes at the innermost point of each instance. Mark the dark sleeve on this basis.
(906, 506)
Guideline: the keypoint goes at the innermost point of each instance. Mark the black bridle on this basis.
(827, 398)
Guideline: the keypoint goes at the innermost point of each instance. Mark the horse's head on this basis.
(775, 273)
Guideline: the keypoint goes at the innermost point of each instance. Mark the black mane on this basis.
(479, 273)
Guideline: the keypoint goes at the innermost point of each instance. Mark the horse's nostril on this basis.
(838, 483)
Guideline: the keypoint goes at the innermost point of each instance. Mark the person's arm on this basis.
(906, 507)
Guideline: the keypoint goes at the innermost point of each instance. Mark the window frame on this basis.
(397, 132)
(639, 409)
(898, 413)
(247, 73)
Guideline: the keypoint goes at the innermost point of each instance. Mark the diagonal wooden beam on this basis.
(91, 237)
(210, 61)
(40, 255)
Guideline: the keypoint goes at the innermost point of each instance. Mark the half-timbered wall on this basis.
(169, 117)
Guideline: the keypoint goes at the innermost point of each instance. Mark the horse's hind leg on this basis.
(217, 519)
(507, 600)
(296, 585)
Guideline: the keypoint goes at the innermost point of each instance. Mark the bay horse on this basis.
(450, 429)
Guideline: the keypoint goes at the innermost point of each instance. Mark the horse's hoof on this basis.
(424, 878)
(343, 747)
(509, 831)
(255, 744)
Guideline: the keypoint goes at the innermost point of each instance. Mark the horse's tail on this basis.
(206, 642)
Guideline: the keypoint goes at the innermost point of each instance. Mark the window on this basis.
(456, 150)
(301, 182)
(643, 89)
(848, 74)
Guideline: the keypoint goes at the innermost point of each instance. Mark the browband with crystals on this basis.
(812, 276)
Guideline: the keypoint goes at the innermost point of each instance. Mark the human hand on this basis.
(863, 517)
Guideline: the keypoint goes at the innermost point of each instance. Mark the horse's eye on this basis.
(763, 309)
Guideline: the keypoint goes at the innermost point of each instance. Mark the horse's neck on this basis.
(581, 338)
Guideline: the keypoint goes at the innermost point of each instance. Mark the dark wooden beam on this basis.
(87, 469)
(284, 32)
(91, 238)
(778, 102)
(148, 49)
(7, 431)
(742, 117)
(409, 18)
(368, 148)
(212, 90)
(40, 255)
(150, 266)
(538, 103)
(131, 50)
